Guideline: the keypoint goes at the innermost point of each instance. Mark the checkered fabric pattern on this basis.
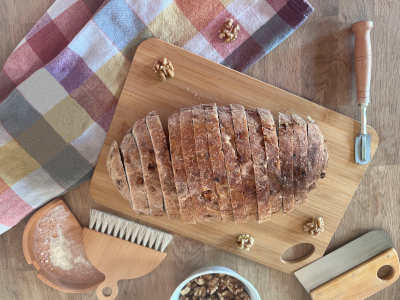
(60, 86)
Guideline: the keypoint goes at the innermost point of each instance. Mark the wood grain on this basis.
(363, 59)
(193, 84)
(316, 63)
(362, 281)
(118, 259)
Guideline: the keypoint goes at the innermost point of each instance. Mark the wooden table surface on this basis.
(316, 63)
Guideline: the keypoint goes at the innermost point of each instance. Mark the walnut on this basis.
(185, 291)
(229, 31)
(315, 226)
(245, 241)
(200, 281)
(199, 291)
(214, 287)
(164, 68)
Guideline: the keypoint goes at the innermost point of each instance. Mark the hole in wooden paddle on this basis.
(385, 272)
(107, 291)
(298, 253)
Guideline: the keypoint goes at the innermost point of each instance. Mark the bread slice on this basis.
(134, 174)
(260, 170)
(163, 160)
(217, 160)
(272, 162)
(149, 167)
(232, 165)
(242, 142)
(300, 149)
(317, 157)
(208, 189)
(185, 201)
(191, 166)
(285, 134)
(116, 171)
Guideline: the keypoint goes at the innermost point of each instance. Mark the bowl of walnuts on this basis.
(215, 283)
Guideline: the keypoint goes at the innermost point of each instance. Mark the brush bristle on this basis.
(129, 230)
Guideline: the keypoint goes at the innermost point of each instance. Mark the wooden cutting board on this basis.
(201, 81)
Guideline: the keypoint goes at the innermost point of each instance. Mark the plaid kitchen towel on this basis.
(59, 87)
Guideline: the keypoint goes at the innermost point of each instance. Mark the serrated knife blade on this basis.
(343, 259)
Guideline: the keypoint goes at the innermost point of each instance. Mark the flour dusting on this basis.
(60, 251)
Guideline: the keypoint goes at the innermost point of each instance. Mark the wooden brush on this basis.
(122, 249)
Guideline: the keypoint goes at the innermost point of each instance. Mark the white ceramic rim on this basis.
(250, 289)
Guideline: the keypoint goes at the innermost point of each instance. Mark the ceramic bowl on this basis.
(250, 289)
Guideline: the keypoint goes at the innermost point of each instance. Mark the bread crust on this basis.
(317, 158)
(185, 200)
(285, 135)
(191, 165)
(217, 159)
(134, 174)
(264, 210)
(116, 171)
(300, 150)
(207, 188)
(232, 165)
(242, 143)
(149, 167)
(164, 166)
(272, 162)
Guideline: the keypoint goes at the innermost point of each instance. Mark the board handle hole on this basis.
(297, 253)
(385, 272)
(107, 291)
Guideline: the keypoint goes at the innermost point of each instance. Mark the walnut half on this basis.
(245, 241)
(315, 226)
(164, 68)
(229, 31)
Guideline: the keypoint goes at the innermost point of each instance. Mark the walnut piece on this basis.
(245, 241)
(164, 68)
(214, 287)
(315, 226)
(229, 31)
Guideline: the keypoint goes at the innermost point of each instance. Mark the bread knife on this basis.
(355, 271)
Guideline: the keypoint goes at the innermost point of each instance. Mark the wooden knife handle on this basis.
(361, 281)
(363, 59)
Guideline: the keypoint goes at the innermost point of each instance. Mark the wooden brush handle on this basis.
(363, 59)
(362, 281)
(118, 259)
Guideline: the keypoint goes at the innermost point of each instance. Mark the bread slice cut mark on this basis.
(134, 174)
(149, 166)
(217, 160)
(232, 165)
(208, 188)
(285, 137)
(191, 164)
(186, 206)
(242, 143)
(260, 171)
(163, 160)
(300, 150)
(116, 171)
(272, 163)
(317, 157)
